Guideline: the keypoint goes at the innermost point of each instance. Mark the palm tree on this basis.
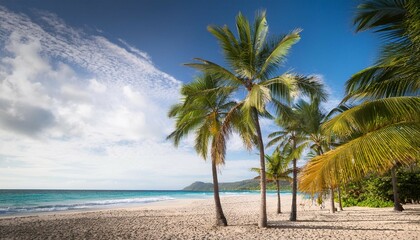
(291, 140)
(202, 111)
(277, 169)
(253, 60)
(300, 126)
(382, 131)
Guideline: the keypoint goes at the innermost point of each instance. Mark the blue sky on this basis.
(85, 85)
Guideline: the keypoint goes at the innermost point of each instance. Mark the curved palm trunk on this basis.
(332, 210)
(278, 196)
(397, 204)
(293, 213)
(220, 217)
(340, 206)
(263, 207)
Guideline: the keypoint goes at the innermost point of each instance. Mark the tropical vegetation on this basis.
(376, 190)
(381, 131)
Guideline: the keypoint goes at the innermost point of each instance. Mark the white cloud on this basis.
(100, 126)
(235, 143)
(97, 86)
(136, 51)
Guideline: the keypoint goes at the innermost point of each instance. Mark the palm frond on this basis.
(280, 50)
(296, 153)
(260, 31)
(233, 120)
(381, 16)
(376, 151)
(282, 109)
(311, 86)
(375, 114)
(339, 109)
(276, 134)
(216, 71)
(244, 29)
(281, 87)
(257, 98)
(174, 110)
(381, 81)
(276, 140)
(227, 41)
(202, 137)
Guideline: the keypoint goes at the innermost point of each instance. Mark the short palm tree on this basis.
(252, 62)
(300, 128)
(383, 130)
(202, 111)
(277, 169)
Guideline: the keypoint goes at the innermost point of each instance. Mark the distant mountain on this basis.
(249, 184)
(199, 186)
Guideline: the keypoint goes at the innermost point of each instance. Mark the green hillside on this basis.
(249, 184)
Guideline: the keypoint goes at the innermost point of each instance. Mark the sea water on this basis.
(13, 202)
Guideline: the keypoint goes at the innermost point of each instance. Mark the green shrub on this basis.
(409, 184)
(376, 191)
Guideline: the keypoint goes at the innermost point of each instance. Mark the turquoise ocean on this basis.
(18, 202)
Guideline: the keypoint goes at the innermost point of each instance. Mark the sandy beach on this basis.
(193, 219)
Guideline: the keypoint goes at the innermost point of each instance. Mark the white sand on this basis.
(193, 219)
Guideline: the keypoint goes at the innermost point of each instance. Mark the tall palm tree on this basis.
(252, 62)
(277, 169)
(383, 130)
(202, 111)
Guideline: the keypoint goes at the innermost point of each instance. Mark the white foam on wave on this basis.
(85, 205)
(130, 200)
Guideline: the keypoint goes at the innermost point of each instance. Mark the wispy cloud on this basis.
(79, 111)
(108, 61)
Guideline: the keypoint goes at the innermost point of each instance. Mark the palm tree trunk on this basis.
(293, 213)
(263, 207)
(332, 210)
(397, 204)
(220, 217)
(278, 196)
(340, 206)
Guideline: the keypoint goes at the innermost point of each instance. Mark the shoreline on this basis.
(194, 219)
(164, 204)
